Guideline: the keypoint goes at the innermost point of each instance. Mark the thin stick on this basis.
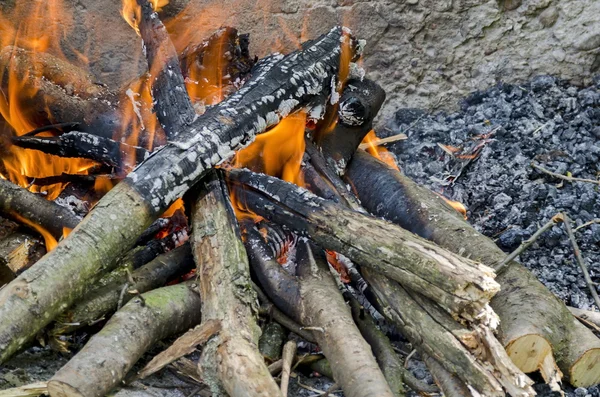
(383, 141)
(597, 220)
(580, 261)
(564, 177)
(527, 243)
(289, 352)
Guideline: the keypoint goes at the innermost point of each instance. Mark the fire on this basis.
(131, 11)
(49, 240)
(379, 151)
(458, 206)
(40, 32)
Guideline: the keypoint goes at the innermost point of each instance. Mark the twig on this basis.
(383, 141)
(525, 244)
(564, 177)
(580, 261)
(122, 295)
(333, 388)
(410, 355)
(597, 220)
(289, 352)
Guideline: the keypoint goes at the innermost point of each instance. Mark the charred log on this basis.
(112, 352)
(459, 285)
(533, 322)
(76, 144)
(18, 203)
(31, 301)
(317, 303)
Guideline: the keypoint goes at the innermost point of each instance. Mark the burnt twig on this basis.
(564, 177)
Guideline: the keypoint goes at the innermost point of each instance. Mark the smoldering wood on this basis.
(112, 352)
(318, 304)
(359, 104)
(103, 301)
(63, 91)
(533, 322)
(17, 202)
(222, 261)
(461, 286)
(289, 82)
(77, 144)
(73, 178)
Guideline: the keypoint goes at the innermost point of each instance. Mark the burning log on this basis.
(104, 300)
(23, 206)
(227, 296)
(32, 300)
(76, 144)
(61, 92)
(313, 299)
(111, 353)
(459, 285)
(533, 322)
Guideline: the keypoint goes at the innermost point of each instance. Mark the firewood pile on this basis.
(285, 215)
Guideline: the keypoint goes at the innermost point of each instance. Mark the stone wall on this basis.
(426, 53)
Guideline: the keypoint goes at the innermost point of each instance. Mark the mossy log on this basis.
(533, 322)
(313, 299)
(459, 285)
(111, 353)
(228, 297)
(36, 297)
(105, 300)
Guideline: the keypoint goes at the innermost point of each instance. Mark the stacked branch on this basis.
(281, 86)
(227, 297)
(312, 298)
(460, 286)
(534, 324)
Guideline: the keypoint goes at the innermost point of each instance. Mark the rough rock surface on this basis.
(426, 53)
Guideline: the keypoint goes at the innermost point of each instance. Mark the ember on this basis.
(214, 181)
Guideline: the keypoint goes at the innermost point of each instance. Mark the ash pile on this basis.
(488, 155)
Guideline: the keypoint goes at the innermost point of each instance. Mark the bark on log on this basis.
(15, 200)
(103, 301)
(228, 297)
(31, 301)
(449, 383)
(76, 144)
(461, 286)
(534, 323)
(317, 303)
(455, 347)
(110, 354)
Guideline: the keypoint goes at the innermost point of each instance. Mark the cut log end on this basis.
(586, 371)
(528, 352)
(57, 388)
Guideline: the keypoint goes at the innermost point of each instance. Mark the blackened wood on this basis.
(228, 297)
(17, 202)
(461, 286)
(76, 144)
(32, 300)
(103, 301)
(72, 178)
(111, 353)
(359, 104)
(171, 101)
(530, 315)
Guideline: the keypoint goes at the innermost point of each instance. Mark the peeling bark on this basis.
(533, 322)
(459, 285)
(228, 297)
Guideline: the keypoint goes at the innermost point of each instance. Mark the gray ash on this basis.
(507, 127)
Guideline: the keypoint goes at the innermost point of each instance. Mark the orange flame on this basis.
(379, 152)
(40, 32)
(458, 206)
(131, 11)
(49, 240)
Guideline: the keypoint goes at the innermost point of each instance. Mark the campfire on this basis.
(218, 192)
